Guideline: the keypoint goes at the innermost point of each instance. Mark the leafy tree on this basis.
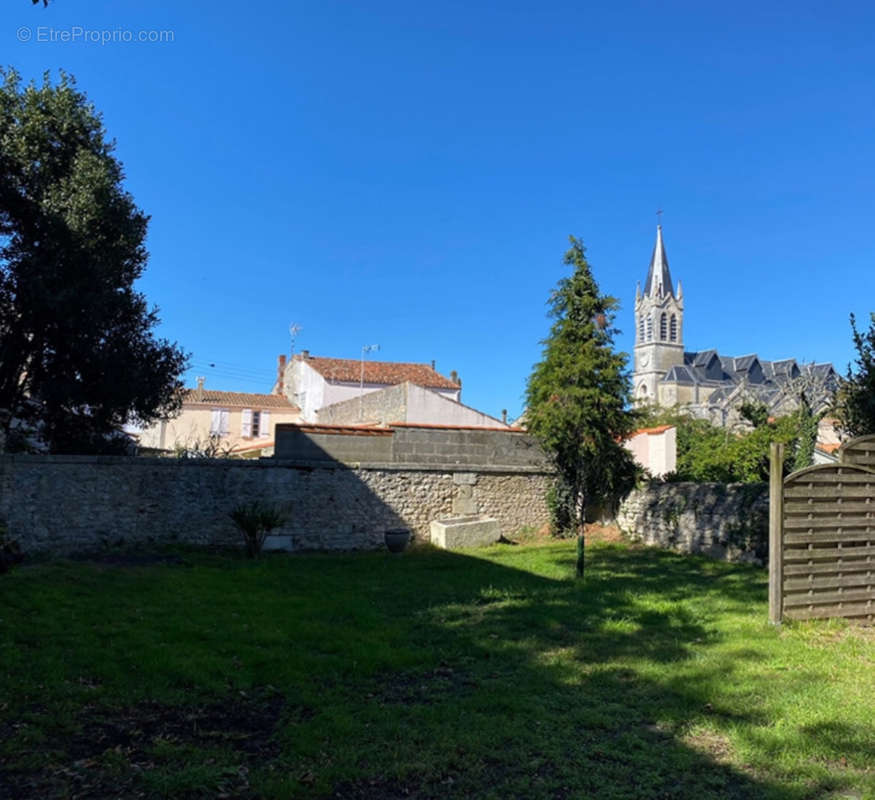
(855, 406)
(78, 358)
(577, 398)
(712, 453)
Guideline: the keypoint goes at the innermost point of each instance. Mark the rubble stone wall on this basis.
(67, 504)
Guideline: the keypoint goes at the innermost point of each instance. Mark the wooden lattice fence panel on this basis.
(822, 537)
(860, 451)
(828, 549)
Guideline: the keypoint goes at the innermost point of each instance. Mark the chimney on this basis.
(305, 354)
(432, 363)
(199, 392)
(504, 415)
(280, 372)
(454, 376)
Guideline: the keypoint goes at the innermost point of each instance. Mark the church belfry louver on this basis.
(659, 326)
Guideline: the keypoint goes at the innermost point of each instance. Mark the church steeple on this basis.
(659, 316)
(658, 282)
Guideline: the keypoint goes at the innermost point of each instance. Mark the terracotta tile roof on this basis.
(438, 427)
(390, 373)
(340, 430)
(653, 431)
(239, 400)
(829, 447)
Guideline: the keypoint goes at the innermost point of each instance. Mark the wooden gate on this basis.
(822, 537)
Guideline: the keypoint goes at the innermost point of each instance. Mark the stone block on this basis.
(452, 533)
(464, 478)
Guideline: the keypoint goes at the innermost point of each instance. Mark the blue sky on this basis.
(407, 174)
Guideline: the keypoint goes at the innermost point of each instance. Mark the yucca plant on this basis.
(255, 521)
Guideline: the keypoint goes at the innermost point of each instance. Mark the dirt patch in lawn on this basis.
(595, 532)
(109, 751)
(425, 688)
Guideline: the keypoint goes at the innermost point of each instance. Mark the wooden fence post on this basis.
(776, 530)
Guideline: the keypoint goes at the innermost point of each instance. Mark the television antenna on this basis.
(294, 330)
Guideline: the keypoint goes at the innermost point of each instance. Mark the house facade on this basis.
(406, 403)
(708, 384)
(235, 422)
(314, 382)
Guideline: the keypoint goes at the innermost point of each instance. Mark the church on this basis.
(709, 385)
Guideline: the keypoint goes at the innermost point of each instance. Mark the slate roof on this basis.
(239, 400)
(727, 373)
(389, 373)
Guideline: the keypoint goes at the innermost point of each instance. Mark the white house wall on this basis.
(434, 407)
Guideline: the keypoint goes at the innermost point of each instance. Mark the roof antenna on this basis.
(368, 348)
(294, 330)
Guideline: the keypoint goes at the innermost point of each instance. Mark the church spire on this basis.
(658, 282)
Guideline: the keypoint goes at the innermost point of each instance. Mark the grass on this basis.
(488, 674)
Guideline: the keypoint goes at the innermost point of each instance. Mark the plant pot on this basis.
(397, 539)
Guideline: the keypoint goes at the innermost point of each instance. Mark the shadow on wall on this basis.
(68, 504)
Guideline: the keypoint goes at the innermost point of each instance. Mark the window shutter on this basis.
(246, 422)
(225, 417)
(215, 422)
(265, 424)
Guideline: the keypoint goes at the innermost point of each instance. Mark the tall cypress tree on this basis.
(855, 405)
(578, 399)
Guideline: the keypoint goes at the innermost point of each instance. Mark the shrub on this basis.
(255, 521)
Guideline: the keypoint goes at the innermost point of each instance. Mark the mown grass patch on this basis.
(485, 674)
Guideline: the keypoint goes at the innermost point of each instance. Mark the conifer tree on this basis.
(855, 406)
(578, 399)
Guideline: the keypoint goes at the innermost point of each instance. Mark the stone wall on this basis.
(725, 521)
(384, 405)
(66, 504)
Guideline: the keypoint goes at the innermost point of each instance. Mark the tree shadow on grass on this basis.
(440, 675)
(549, 688)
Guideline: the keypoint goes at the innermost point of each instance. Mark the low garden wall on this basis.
(66, 504)
(725, 521)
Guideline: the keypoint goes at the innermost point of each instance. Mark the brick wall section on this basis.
(67, 504)
(347, 445)
(434, 445)
(465, 446)
(725, 521)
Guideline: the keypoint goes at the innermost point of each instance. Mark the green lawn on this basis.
(488, 674)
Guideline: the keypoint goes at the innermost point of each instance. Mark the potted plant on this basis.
(397, 539)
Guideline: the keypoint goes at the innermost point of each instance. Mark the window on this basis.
(649, 329)
(641, 329)
(663, 327)
(674, 328)
(219, 422)
(254, 424)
